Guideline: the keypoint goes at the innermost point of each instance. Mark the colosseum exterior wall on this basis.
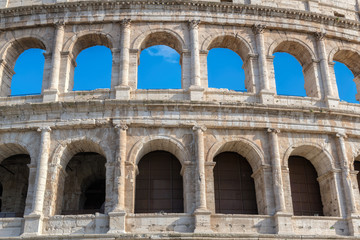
(194, 123)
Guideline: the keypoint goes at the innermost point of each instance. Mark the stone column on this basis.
(330, 96)
(117, 216)
(196, 90)
(52, 93)
(345, 173)
(202, 215)
(123, 89)
(33, 221)
(282, 218)
(265, 92)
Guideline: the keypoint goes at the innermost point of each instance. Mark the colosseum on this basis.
(189, 163)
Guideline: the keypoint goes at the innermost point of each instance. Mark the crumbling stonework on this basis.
(61, 148)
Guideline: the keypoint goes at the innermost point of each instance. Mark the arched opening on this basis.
(305, 189)
(159, 68)
(225, 70)
(357, 168)
(93, 69)
(159, 185)
(289, 77)
(29, 67)
(160, 63)
(29, 70)
(14, 176)
(1, 192)
(84, 186)
(347, 73)
(234, 186)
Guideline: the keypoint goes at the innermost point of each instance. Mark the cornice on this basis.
(216, 7)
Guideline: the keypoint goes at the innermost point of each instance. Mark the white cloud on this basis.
(169, 54)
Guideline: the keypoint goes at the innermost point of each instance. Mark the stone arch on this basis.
(233, 42)
(304, 54)
(9, 55)
(67, 149)
(242, 146)
(10, 149)
(348, 56)
(164, 143)
(319, 157)
(83, 40)
(160, 36)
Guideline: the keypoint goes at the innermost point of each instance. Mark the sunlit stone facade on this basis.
(70, 160)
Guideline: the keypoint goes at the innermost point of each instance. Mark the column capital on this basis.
(44, 129)
(126, 22)
(59, 24)
(273, 130)
(194, 24)
(258, 28)
(341, 135)
(320, 35)
(122, 126)
(202, 128)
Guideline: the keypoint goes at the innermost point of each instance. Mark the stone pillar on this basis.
(282, 218)
(196, 90)
(117, 216)
(202, 215)
(52, 93)
(330, 96)
(33, 221)
(122, 91)
(266, 94)
(345, 173)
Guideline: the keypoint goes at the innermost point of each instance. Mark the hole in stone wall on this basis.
(159, 68)
(29, 69)
(346, 85)
(289, 77)
(225, 70)
(93, 70)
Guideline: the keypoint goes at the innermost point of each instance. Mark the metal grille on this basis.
(305, 190)
(234, 186)
(159, 186)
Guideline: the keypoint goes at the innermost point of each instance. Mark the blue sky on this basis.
(160, 68)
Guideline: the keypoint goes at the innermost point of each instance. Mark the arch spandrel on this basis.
(244, 147)
(233, 42)
(159, 143)
(160, 36)
(319, 157)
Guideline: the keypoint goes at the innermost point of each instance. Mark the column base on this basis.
(202, 221)
(332, 102)
(33, 225)
(117, 222)
(50, 95)
(354, 225)
(283, 223)
(196, 93)
(267, 97)
(122, 92)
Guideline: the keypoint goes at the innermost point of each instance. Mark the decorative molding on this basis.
(273, 130)
(44, 129)
(203, 128)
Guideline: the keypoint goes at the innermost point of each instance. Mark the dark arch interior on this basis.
(357, 168)
(234, 186)
(159, 186)
(305, 190)
(84, 188)
(14, 177)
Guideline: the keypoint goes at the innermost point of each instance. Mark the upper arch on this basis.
(319, 157)
(242, 146)
(83, 40)
(348, 56)
(297, 48)
(155, 143)
(159, 37)
(233, 42)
